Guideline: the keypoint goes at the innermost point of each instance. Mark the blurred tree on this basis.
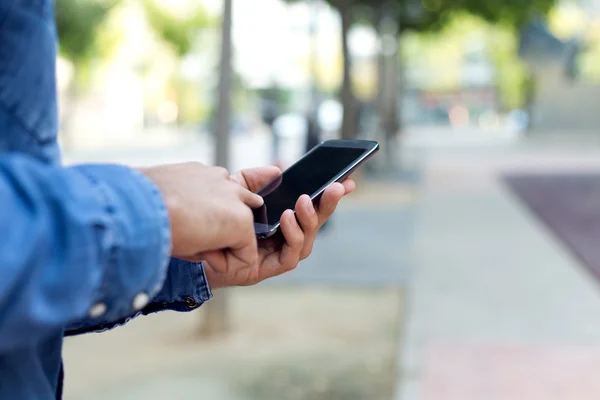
(78, 23)
(217, 311)
(180, 30)
(573, 21)
(345, 8)
(387, 16)
(393, 17)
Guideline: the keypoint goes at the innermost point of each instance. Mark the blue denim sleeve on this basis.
(84, 242)
(185, 289)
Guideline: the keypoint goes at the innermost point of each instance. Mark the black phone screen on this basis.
(307, 176)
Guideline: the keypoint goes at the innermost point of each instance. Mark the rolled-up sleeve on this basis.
(83, 243)
(185, 289)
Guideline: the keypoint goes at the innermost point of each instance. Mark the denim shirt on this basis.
(82, 249)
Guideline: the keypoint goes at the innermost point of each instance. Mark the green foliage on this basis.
(177, 30)
(511, 12)
(422, 15)
(456, 19)
(411, 15)
(443, 56)
(511, 73)
(78, 22)
(568, 22)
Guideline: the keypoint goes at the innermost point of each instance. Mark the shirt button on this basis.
(97, 310)
(140, 301)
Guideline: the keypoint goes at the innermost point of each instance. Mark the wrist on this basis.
(213, 278)
(171, 202)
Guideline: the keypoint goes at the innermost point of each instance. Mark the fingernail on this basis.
(260, 199)
(310, 208)
(293, 218)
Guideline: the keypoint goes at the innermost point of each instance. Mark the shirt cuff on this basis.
(135, 237)
(185, 289)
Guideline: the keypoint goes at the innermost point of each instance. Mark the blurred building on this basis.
(561, 100)
(458, 91)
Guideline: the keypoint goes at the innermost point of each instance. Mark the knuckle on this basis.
(313, 222)
(239, 190)
(298, 240)
(308, 249)
(244, 215)
(305, 254)
(292, 265)
(328, 210)
(221, 171)
(194, 165)
(234, 193)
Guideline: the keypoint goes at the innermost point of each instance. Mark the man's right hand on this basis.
(208, 212)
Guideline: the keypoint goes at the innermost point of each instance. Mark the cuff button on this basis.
(140, 301)
(97, 310)
(189, 302)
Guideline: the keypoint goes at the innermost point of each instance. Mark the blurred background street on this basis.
(464, 267)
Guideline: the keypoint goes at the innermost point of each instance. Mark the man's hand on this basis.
(208, 210)
(299, 232)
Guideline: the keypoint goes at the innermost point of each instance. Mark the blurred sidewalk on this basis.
(367, 242)
(497, 308)
(285, 344)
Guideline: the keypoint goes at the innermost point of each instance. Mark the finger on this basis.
(246, 251)
(309, 222)
(254, 179)
(349, 186)
(329, 201)
(252, 200)
(289, 256)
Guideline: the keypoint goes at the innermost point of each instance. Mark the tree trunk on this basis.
(379, 16)
(348, 100)
(217, 315)
(530, 93)
(224, 112)
(314, 59)
(389, 71)
(314, 131)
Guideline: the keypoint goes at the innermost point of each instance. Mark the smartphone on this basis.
(329, 162)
